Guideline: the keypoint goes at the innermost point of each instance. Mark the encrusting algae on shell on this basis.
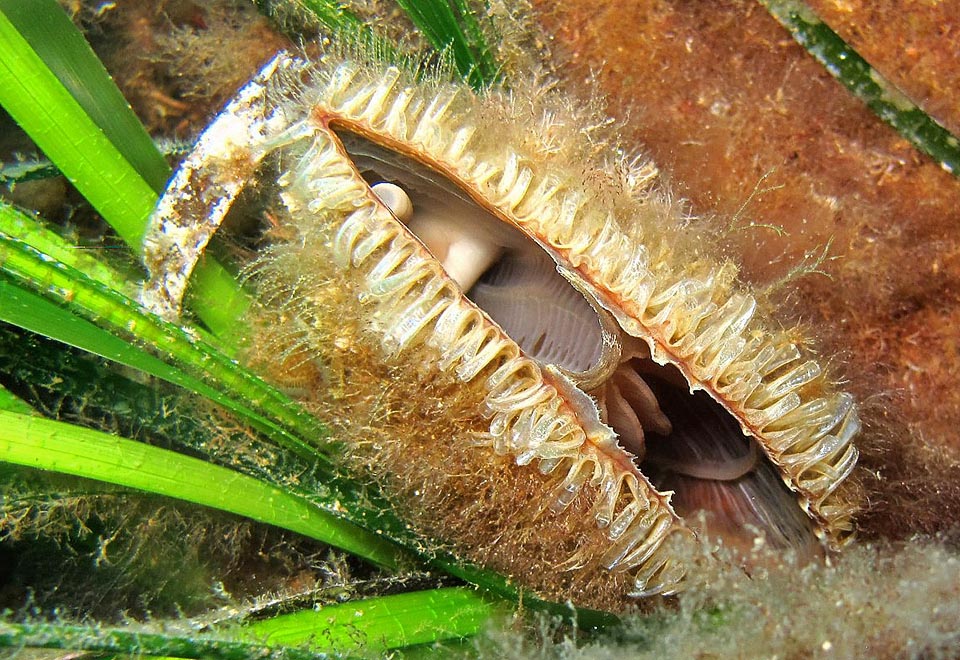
(513, 335)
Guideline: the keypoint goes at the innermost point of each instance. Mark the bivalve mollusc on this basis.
(512, 330)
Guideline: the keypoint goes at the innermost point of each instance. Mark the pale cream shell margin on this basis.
(698, 324)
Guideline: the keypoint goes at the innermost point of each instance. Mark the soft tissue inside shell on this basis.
(685, 443)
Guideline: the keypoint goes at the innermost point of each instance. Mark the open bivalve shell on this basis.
(514, 334)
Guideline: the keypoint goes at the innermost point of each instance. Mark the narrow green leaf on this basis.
(504, 587)
(452, 26)
(137, 643)
(60, 284)
(51, 445)
(32, 312)
(332, 14)
(11, 402)
(380, 624)
(341, 24)
(57, 123)
(48, 30)
(865, 82)
(29, 230)
(217, 299)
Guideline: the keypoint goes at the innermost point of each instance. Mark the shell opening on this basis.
(720, 476)
(683, 442)
(505, 273)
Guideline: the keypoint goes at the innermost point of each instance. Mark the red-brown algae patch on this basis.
(723, 96)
